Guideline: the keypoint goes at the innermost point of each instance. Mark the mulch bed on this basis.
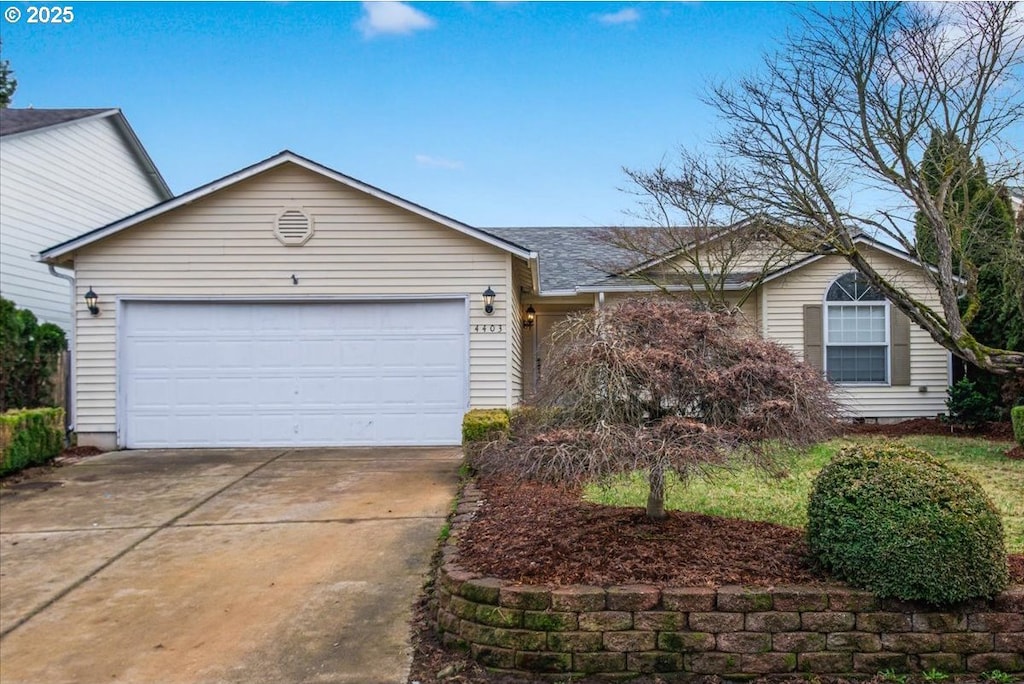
(540, 534)
(998, 432)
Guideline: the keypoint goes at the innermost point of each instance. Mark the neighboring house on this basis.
(288, 304)
(62, 172)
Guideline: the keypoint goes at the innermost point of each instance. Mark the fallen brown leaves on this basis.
(930, 426)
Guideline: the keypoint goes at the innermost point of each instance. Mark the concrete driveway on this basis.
(230, 565)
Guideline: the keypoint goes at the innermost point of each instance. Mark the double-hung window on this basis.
(856, 331)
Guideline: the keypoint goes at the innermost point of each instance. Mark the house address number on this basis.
(489, 328)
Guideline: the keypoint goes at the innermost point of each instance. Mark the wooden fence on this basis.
(60, 380)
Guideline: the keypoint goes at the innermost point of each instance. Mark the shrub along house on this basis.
(288, 304)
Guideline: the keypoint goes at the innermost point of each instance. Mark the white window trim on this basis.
(826, 303)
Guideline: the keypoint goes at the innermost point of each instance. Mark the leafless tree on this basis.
(697, 244)
(654, 384)
(848, 106)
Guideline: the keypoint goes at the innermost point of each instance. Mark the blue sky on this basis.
(493, 113)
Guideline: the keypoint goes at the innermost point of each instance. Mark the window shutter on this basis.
(813, 347)
(899, 350)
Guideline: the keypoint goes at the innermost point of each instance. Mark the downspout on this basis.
(70, 390)
(764, 311)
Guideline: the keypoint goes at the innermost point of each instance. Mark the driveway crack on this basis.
(128, 549)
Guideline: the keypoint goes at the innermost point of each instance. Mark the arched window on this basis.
(856, 331)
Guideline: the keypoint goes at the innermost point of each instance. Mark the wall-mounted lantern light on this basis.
(530, 317)
(489, 301)
(92, 301)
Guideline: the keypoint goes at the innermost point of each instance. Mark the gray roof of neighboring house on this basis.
(20, 120)
(570, 257)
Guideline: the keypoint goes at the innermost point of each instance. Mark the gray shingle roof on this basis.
(20, 120)
(573, 256)
(568, 256)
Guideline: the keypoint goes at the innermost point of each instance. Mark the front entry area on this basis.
(235, 374)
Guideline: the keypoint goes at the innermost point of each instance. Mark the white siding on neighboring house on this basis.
(55, 184)
(925, 395)
(223, 246)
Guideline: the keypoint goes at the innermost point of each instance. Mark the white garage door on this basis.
(316, 374)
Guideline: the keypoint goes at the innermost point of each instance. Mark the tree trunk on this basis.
(656, 495)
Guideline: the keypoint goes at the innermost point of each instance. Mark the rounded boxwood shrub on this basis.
(1017, 418)
(890, 518)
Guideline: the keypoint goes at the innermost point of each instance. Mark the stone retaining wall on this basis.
(731, 631)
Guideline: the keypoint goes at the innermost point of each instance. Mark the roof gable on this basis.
(55, 253)
(859, 239)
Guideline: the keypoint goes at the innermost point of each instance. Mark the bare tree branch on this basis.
(700, 243)
(852, 101)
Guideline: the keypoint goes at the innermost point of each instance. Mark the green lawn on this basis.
(755, 495)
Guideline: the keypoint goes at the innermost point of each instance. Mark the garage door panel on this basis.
(318, 353)
(152, 394)
(439, 390)
(396, 353)
(239, 374)
(149, 354)
(156, 427)
(410, 427)
(273, 428)
(234, 393)
(433, 353)
(359, 353)
(227, 354)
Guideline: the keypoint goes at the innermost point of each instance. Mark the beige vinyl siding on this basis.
(929, 362)
(759, 254)
(58, 183)
(749, 309)
(519, 281)
(223, 246)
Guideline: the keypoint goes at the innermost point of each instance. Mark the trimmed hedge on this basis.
(30, 437)
(481, 425)
(1017, 417)
(892, 519)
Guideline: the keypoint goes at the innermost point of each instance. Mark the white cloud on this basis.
(627, 15)
(430, 162)
(392, 18)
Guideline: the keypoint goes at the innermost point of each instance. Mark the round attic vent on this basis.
(293, 227)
